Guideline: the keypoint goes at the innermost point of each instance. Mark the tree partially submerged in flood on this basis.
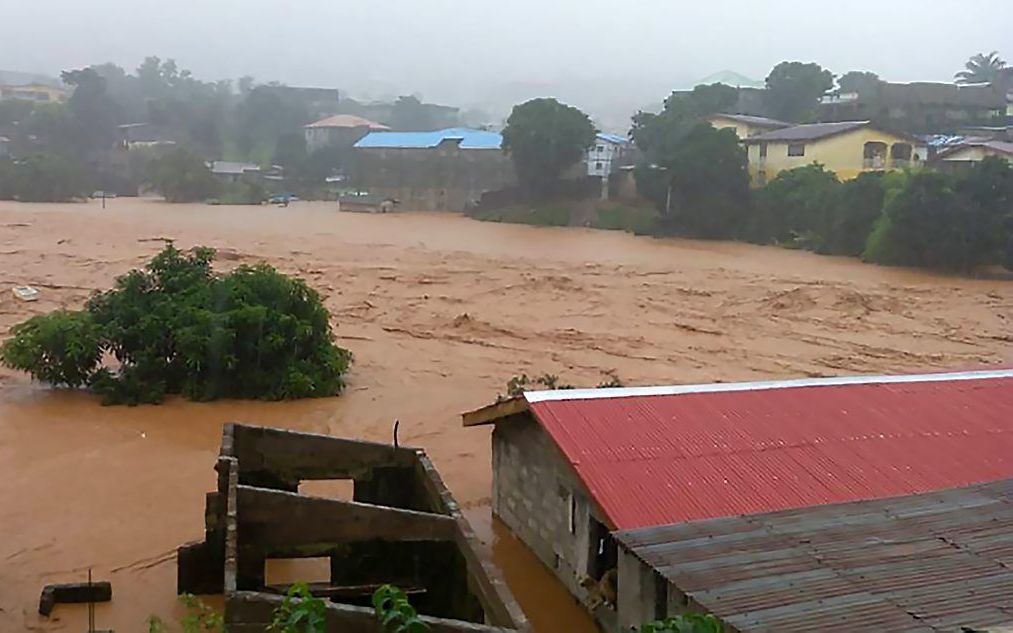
(176, 327)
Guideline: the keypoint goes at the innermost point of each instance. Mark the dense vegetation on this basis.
(686, 623)
(176, 327)
(544, 138)
(929, 219)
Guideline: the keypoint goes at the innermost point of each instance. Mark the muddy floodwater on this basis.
(440, 311)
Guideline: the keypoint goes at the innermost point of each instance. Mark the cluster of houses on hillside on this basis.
(872, 503)
(442, 170)
(948, 125)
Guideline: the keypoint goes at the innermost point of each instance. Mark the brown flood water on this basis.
(440, 311)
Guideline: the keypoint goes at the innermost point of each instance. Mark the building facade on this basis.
(923, 107)
(970, 153)
(608, 153)
(340, 130)
(445, 170)
(37, 93)
(847, 148)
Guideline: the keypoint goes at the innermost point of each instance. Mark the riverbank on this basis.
(440, 311)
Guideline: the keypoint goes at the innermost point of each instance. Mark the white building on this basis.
(606, 155)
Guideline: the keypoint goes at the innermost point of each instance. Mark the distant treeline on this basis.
(70, 149)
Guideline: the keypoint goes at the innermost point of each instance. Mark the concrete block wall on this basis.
(532, 486)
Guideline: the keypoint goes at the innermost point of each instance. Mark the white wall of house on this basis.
(603, 157)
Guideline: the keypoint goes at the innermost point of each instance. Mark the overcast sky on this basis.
(459, 49)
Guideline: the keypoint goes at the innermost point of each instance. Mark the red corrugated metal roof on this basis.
(656, 459)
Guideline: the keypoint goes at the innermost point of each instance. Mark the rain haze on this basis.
(490, 54)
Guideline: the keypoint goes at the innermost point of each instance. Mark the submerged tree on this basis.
(176, 327)
(981, 68)
(544, 138)
(182, 176)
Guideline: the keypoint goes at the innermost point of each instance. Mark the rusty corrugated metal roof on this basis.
(651, 456)
(929, 562)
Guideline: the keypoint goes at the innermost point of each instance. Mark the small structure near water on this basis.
(584, 478)
(402, 527)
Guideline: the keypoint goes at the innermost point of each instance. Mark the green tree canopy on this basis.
(177, 327)
(544, 138)
(704, 183)
(43, 178)
(263, 116)
(981, 68)
(409, 113)
(792, 208)
(695, 175)
(794, 90)
(852, 211)
(93, 112)
(659, 133)
(182, 176)
(863, 82)
(930, 223)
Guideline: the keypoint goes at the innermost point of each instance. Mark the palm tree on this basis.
(981, 69)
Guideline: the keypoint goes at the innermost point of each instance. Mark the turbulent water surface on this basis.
(440, 311)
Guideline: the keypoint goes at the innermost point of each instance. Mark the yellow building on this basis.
(848, 149)
(39, 93)
(746, 126)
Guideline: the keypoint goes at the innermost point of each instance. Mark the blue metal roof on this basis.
(613, 138)
(470, 139)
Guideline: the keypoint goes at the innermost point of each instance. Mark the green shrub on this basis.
(182, 176)
(394, 613)
(617, 217)
(299, 612)
(176, 327)
(854, 207)
(557, 214)
(792, 208)
(61, 348)
(43, 178)
(686, 623)
(930, 224)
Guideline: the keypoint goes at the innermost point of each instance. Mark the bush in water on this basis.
(176, 327)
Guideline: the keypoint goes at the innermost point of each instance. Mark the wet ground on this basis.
(440, 311)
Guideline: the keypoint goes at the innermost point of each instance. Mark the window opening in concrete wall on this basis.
(343, 489)
(572, 513)
(281, 572)
(604, 552)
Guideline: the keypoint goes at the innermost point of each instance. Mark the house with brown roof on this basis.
(587, 478)
(342, 130)
(847, 148)
(969, 153)
(746, 125)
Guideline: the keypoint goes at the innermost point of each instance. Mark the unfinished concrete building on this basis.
(402, 527)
